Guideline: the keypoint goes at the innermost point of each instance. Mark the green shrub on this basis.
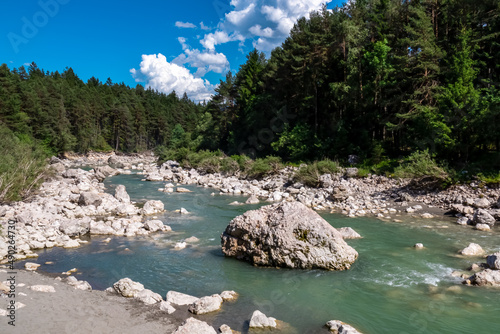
(309, 175)
(229, 165)
(420, 164)
(262, 167)
(22, 167)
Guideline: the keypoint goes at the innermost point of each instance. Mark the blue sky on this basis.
(159, 44)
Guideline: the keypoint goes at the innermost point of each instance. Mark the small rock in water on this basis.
(184, 211)
(192, 239)
(229, 295)
(182, 190)
(349, 233)
(259, 320)
(427, 216)
(225, 329)
(482, 227)
(419, 245)
(340, 327)
(235, 203)
(178, 298)
(463, 221)
(252, 200)
(180, 245)
(206, 304)
(31, 266)
(472, 250)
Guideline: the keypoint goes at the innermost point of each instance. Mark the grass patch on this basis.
(310, 174)
(418, 165)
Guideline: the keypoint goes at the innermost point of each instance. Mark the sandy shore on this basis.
(68, 310)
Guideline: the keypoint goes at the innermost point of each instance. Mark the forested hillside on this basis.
(375, 78)
(62, 113)
(379, 79)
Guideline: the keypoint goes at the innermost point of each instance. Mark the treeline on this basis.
(60, 112)
(374, 78)
(43, 114)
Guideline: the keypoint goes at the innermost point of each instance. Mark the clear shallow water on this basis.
(392, 288)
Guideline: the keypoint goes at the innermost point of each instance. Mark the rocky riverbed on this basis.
(74, 204)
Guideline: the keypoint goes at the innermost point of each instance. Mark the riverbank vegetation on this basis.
(375, 79)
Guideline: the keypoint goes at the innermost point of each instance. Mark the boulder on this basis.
(58, 167)
(79, 285)
(482, 216)
(105, 171)
(152, 207)
(178, 298)
(259, 320)
(287, 234)
(339, 327)
(71, 244)
(349, 233)
(419, 245)
(89, 198)
(486, 277)
(128, 288)
(121, 194)
(194, 326)
(225, 329)
(182, 190)
(472, 250)
(148, 297)
(493, 261)
(206, 304)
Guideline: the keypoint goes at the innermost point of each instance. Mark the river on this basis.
(391, 288)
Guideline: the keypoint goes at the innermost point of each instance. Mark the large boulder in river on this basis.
(287, 234)
(486, 277)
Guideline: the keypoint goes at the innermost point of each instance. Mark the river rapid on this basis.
(391, 288)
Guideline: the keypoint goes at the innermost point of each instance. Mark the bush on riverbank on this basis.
(22, 167)
(420, 164)
(309, 174)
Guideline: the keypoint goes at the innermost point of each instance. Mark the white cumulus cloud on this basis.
(166, 77)
(265, 22)
(180, 24)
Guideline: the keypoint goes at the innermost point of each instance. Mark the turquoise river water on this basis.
(391, 288)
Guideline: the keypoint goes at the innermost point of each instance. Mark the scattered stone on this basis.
(427, 215)
(236, 203)
(148, 297)
(287, 234)
(183, 211)
(419, 246)
(31, 266)
(80, 285)
(339, 327)
(154, 225)
(472, 250)
(167, 307)
(43, 288)
(194, 326)
(349, 233)
(178, 298)
(206, 304)
(229, 295)
(182, 190)
(259, 320)
(128, 288)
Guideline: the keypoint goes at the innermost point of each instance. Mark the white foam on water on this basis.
(433, 274)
